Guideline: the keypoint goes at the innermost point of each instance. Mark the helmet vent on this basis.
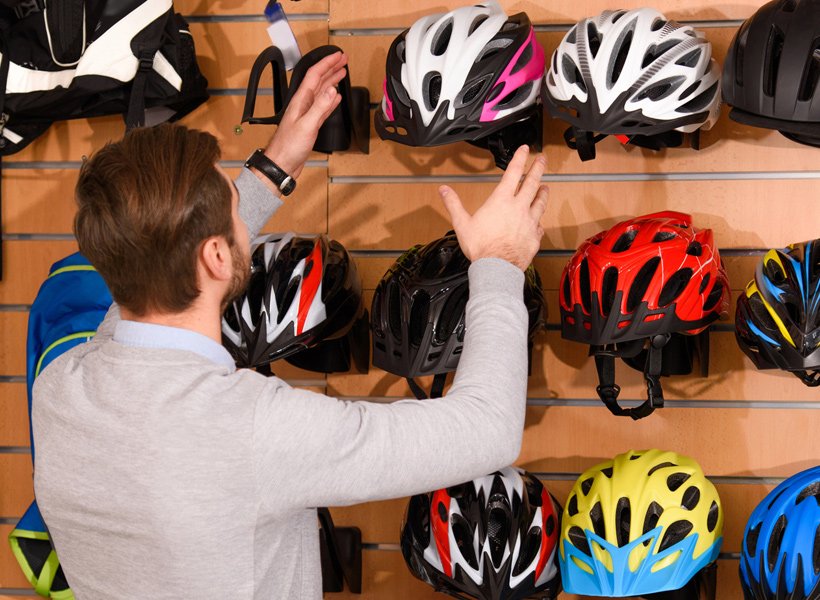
(641, 283)
(442, 512)
(596, 515)
(788, 5)
(774, 50)
(565, 290)
(471, 93)
(675, 480)
(401, 49)
(650, 521)
(657, 24)
(654, 52)
(571, 72)
(492, 48)
(689, 91)
(394, 317)
(442, 38)
(751, 539)
(432, 89)
(579, 539)
(691, 497)
(529, 551)
(793, 310)
(593, 39)
(401, 93)
(549, 526)
(498, 529)
(624, 242)
(657, 467)
(816, 553)
(694, 249)
(811, 73)
(572, 506)
(608, 289)
(617, 65)
(623, 518)
(674, 534)
(523, 59)
(586, 485)
(418, 317)
(663, 236)
(618, 15)
(742, 38)
(660, 90)
(516, 97)
(476, 23)
(775, 541)
(674, 286)
(288, 297)
(572, 36)
(690, 59)
(700, 102)
(774, 272)
(712, 519)
(704, 282)
(607, 472)
(586, 295)
(810, 491)
(451, 314)
(714, 296)
(463, 535)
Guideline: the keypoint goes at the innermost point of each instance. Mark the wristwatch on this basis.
(272, 171)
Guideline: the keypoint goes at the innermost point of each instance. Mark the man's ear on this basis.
(215, 258)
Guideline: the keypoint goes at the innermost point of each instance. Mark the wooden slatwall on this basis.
(753, 187)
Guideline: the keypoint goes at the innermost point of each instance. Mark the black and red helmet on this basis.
(493, 538)
(418, 308)
(637, 285)
(304, 291)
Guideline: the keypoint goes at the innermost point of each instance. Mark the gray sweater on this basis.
(163, 474)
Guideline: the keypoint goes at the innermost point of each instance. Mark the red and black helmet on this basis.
(493, 538)
(638, 284)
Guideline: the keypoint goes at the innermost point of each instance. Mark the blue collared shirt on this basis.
(149, 335)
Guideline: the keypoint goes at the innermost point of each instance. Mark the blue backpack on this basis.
(69, 306)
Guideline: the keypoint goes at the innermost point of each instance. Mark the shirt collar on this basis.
(150, 335)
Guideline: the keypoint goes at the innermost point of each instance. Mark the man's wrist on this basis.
(275, 176)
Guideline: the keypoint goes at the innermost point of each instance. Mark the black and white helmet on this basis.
(632, 73)
(303, 290)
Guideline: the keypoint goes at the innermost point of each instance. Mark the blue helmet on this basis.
(780, 558)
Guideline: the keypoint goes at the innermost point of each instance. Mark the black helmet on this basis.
(417, 314)
(303, 291)
(771, 76)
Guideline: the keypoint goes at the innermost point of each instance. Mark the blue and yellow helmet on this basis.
(777, 323)
(780, 558)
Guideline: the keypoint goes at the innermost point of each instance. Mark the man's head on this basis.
(146, 206)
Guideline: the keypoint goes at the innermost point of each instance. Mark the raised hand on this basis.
(507, 225)
(314, 101)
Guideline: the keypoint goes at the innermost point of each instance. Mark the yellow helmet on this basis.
(645, 522)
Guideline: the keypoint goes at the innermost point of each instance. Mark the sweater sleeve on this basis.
(322, 451)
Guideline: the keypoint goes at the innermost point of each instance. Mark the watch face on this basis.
(287, 185)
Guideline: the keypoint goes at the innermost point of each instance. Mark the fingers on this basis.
(531, 184)
(324, 74)
(511, 177)
(321, 69)
(539, 203)
(324, 104)
(458, 215)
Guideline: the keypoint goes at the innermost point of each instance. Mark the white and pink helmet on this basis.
(461, 76)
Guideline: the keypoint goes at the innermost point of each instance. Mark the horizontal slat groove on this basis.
(76, 164)
(252, 18)
(582, 177)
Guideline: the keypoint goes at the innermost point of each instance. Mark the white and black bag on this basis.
(69, 59)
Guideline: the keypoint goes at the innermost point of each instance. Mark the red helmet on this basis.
(639, 283)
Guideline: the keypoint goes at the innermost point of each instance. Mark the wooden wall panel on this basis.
(13, 415)
(246, 7)
(375, 14)
(738, 211)
(10, 574)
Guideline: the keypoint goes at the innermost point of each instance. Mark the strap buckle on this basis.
(608, 392)
(27, 7)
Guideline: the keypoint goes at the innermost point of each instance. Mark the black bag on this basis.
(70, 59)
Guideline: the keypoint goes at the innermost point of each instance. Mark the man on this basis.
(163, 472)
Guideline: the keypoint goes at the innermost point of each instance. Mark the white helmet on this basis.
(632, 73)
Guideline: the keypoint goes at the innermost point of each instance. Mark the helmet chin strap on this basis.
(436, 390)
(608, 390)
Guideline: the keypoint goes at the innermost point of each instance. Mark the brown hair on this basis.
(145, 205)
